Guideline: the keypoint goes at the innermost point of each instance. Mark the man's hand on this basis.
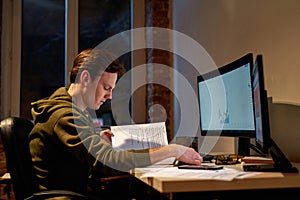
(180, 152)
(107, 135)
(190, 156)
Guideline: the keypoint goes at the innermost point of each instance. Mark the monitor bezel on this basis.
(263, 145)
(245, 59)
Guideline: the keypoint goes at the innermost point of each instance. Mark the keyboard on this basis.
(201, 167)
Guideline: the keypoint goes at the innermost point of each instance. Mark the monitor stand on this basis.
(281, 162)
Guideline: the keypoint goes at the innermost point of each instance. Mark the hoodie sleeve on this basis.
(77, 134)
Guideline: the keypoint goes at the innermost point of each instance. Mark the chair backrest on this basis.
(14, 134)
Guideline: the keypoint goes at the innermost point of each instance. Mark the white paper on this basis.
(225, 174)
(139, 136)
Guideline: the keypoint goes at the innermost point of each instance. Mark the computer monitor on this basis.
(261, 110)
(226, 102)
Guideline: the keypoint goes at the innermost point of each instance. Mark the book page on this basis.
(139, 136)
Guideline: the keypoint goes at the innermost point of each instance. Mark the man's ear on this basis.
(85, 77)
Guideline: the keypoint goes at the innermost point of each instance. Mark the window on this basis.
(43, 47)
(43, 40)
(98, 20)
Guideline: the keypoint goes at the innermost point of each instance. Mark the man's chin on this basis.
(98, 105)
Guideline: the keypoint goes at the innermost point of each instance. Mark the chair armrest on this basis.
(56, 193)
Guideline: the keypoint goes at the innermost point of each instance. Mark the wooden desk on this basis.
(175, 188)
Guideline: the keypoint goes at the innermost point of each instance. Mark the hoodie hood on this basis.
(42, 109)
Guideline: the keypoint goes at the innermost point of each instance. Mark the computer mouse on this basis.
(176, 162)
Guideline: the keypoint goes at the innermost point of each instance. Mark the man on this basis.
(66, 150)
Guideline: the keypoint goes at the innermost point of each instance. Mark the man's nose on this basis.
(108, 95)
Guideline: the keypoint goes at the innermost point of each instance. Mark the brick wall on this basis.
(2, 158)
(158, 14)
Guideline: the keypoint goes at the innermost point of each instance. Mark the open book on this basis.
(139, 136)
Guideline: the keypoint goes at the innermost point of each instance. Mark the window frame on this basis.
(11, 51)
(11, 58)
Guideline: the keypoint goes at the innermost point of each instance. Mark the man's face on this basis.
(104, 86)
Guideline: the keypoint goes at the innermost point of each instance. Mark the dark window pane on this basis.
(43, 45)
(99, 20)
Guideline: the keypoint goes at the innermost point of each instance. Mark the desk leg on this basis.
(5, 191)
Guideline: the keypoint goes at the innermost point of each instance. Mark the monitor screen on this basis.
(260, 106)
(226, 100)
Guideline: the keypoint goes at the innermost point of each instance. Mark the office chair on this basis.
(14, 134)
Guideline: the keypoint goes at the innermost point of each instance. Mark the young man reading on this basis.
(65, 147)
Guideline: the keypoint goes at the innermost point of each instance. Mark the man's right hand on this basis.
(107, 135)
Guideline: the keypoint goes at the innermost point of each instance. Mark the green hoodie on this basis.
(66, 149)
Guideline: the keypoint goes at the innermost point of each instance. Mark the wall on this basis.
(228, 29)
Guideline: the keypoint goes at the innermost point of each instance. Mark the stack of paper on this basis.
(139, 136)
